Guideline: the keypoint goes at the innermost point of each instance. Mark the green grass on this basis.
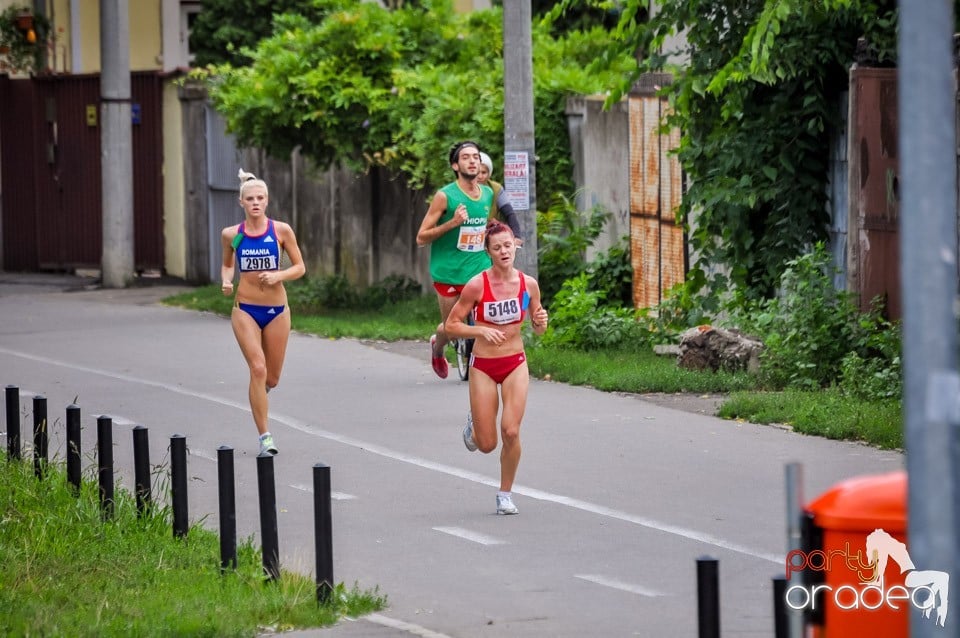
(826, 413)
(617, 371)
(412, 319)
(67, 572)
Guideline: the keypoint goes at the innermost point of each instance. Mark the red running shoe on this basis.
(440, 365)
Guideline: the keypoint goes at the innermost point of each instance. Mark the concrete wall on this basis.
(600, 146)
(174, 239)
(196, 213)
(362, 226)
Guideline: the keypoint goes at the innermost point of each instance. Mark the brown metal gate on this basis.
(657, 242)
(873, 240)
(50, 172)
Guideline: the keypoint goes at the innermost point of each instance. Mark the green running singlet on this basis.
(459, 254)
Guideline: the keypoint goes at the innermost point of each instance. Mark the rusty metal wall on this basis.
(51, 181)
(657, 242)
(873, 243)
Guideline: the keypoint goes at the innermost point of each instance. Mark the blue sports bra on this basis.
(257, 253)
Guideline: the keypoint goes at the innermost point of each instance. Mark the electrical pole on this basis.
(116, 147)
(519, 162)
(928, 275)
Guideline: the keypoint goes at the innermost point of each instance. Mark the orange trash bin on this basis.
(844, 526)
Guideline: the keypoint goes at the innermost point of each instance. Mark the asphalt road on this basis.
(618, 496)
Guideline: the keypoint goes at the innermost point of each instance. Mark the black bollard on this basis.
(178, 484)
(228, 509)
(105, 465)
(40, 435)
(323, 531)
(73, 446)
(781, 626)
(708, 598)
(12, 396)
(141, 468)
(268, 516)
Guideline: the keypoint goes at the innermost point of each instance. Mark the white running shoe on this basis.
(505, 505)
(266, 445)
(468, 434)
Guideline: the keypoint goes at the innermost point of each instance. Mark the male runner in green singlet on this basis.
(454, 228)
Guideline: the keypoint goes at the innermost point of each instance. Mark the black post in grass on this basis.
(105, 465)
(73, 446)
(40, 435)
(12, 397)
(141, 468)
(781, 626)
(268, 516)
(708, 598)
(323, 531)
(178, 484)
(228, 509)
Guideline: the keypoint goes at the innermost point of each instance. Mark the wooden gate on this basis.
(50, 172)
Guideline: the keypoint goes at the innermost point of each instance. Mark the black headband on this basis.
(459, 146)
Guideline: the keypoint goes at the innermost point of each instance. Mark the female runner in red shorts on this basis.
(501, 298)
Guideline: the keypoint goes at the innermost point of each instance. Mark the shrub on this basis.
(578, 319)
(611, 273)
(563, 236)
(874, 373)
(816, 335)
(390, 290)
(335, 292)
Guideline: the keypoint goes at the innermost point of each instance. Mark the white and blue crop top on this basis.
(256, 253)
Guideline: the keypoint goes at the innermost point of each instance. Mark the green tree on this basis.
(224, 29)
(366, 86)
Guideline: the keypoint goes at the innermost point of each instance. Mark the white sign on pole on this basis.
(516, 179)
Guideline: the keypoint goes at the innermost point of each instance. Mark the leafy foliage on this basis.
(611, 273)
(22, 44)
(225, 30)
(580, 319)
(335, 292)
(368, 86)
(563, 236)
(815, 336)
(755, 101)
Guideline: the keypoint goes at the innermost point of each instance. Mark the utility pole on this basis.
(116, 148)
(519, 162)
(928, 275)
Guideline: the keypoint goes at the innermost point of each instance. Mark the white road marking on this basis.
(558, 499)
(115, 419)
(617, 584)
(337, 496)
(466, 534)
(408, 627)
(203, 454)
